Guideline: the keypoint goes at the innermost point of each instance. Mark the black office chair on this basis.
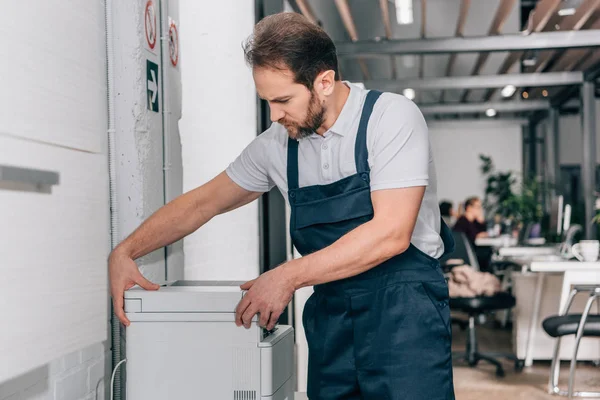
(475, 308)
(580, 325)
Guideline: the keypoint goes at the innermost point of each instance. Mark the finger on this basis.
(248, 315)
(239, 311)
(247, 285)
(273, 320)
(118, 308)
(264, 318)
(145, 283)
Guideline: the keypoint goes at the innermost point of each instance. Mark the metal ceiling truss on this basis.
(475, 108)
(512, 42)
(480, 81)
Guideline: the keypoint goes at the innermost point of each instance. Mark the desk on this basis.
(525, 252)
(502, 241)
(574, 273)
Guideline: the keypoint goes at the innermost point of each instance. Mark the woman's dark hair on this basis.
(445, 208)
(290, 41)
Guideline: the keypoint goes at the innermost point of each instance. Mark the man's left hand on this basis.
(267, 296)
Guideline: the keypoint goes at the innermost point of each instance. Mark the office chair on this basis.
(475, 308)
(580, 325)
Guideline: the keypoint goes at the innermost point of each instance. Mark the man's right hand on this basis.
(124, 274)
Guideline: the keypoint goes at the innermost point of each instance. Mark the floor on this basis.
(531, 384)
(481, 383)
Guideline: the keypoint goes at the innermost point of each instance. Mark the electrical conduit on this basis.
(112, 169)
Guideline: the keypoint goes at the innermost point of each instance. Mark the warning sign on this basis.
(150, 24)
(152, 85)
(173, 42)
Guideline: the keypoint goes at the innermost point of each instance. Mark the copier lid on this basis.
(189, 296)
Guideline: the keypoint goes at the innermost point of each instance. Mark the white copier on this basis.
(183, 344)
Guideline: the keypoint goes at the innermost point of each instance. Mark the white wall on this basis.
(456, 149)
(218, 121)
(54, 245)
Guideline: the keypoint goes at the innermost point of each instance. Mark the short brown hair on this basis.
(289, 40)
(471, 201)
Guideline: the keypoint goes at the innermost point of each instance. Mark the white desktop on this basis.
(183, 344)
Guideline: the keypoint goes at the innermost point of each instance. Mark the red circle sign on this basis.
(173, 44)
(150, 24)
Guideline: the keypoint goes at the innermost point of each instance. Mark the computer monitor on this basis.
(556, 215)
(567, 218)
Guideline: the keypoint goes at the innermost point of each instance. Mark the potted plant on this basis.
(512, 200)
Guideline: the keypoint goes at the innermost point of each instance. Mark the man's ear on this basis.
(325, 82)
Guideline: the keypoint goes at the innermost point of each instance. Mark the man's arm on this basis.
(385, 236)
(170, 223)
(186, 214)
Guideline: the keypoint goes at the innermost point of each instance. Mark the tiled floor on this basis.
(481, 383)
(531, 384)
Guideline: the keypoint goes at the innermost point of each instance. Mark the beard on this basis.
(315, 116)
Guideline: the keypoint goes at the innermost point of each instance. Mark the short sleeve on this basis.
(250, 169)
(399, 151)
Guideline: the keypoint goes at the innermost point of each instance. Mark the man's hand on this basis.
(267, 295)
(124, 274)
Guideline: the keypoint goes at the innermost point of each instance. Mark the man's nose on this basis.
(276, 114)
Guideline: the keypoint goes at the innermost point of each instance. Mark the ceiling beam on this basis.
(346, 15)
(472, 108)
(570, 23)
(479, 81)
(499, 19)
(460, 28)
(484, 122)
(387, 25)
(538, 20)
(305, 9)
(423, 26)
(534, 41)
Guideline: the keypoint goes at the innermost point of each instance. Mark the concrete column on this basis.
(588, 170)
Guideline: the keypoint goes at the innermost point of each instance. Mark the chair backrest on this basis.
(464, 250)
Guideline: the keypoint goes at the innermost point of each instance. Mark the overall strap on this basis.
(361, 154)
(292, 164)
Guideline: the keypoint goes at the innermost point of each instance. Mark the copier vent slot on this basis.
(244, 395)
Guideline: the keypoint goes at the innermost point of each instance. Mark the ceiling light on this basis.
(545, 93)
(490, 112)
(404, 12)
(566, 11)
(409, 93)
(508, 90)
(525, 95)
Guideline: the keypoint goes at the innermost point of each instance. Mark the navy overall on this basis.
(383, 334)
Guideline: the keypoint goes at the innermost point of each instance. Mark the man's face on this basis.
(292, 104)
(476, 208)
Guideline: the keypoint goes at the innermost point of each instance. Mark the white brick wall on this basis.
(82, 375)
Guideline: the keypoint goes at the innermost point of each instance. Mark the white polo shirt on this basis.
(399, 157)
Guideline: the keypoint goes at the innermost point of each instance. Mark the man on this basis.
(472, 222)
(357, 171)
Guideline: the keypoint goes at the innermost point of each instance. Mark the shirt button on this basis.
(325, 166)
(324, 147)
